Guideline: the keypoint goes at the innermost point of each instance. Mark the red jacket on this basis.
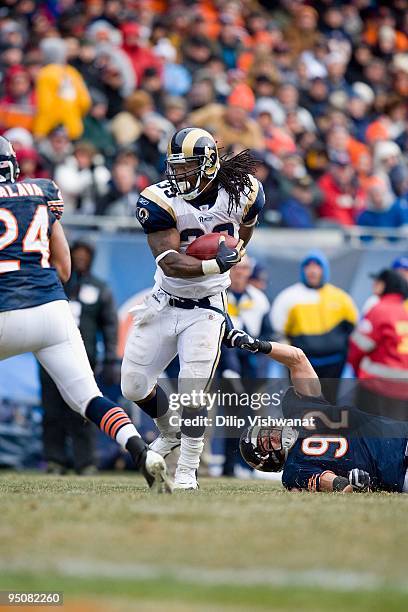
(143, 58)
(379, 347)
(337, 205)
(140, 56)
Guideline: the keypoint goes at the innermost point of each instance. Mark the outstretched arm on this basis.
(302, 374)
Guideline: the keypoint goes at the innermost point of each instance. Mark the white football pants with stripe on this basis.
(50, 332)
(159, 333)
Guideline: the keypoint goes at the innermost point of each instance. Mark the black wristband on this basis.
(340, 483)
(265, 347)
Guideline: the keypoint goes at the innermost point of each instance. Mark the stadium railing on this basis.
(356, 236)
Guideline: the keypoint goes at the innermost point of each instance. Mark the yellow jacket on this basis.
(62, 99)
(319, 321)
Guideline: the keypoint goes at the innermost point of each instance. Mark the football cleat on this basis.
(154, 469)
(186, 479)
(164, 446)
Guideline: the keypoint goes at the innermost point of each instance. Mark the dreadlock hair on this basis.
(233, 176)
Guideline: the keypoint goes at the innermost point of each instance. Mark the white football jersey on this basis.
(159, 208)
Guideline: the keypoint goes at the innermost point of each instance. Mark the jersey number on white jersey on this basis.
(196, 232)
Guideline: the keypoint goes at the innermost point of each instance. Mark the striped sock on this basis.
(111, 419)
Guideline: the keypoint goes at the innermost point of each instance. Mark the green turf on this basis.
(232, 545)
(166, 592)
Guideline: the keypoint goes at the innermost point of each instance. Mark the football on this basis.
(206, 247)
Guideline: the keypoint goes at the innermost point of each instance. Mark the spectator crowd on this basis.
(90, 93)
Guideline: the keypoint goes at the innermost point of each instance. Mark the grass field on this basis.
(110, 546)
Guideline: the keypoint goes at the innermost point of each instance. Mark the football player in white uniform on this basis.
(185, 312)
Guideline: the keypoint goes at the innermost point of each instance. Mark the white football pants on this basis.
(159, 333)
(49, 331)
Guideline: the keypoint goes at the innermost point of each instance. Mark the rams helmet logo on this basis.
(192, 162)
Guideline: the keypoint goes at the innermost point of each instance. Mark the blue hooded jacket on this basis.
(320, 258)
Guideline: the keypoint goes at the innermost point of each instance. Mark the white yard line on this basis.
(321, 578)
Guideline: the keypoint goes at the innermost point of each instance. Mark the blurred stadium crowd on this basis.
(90, 93)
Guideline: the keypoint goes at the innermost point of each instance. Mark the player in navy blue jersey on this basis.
(34, 312)
(343, 449)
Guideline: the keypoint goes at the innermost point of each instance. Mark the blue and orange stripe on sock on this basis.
(113, 421)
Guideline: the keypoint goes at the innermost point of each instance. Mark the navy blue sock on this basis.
(109, 417)
(197, 430)
(156, 406)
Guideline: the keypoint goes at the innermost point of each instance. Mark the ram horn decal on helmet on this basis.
(196, 147)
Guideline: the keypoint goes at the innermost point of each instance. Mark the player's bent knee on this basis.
(135, 386)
